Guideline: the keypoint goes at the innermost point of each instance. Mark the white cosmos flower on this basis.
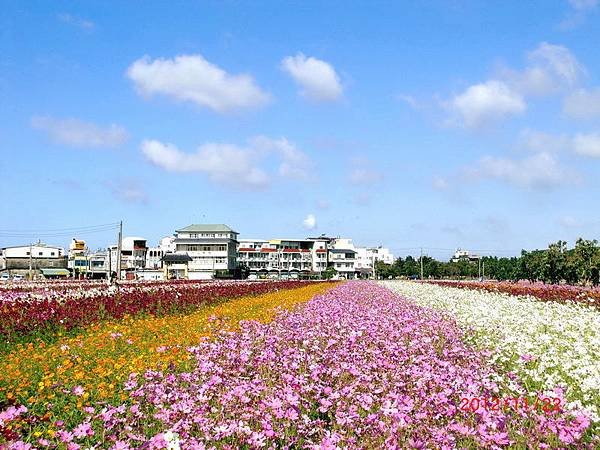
(563, 339)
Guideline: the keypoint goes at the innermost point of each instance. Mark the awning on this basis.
(55, 272)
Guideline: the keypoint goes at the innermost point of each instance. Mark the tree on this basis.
(587, 260)
(329, 273)
(383, 270)
(555, 262)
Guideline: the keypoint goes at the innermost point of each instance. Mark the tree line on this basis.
(557, 263)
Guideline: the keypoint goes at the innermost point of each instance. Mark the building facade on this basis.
(283, 258)
(366, 257)
(212, 248)
(78, 261)
(33, 259)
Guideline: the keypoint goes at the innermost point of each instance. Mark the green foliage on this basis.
(556, 264)
(329, 273)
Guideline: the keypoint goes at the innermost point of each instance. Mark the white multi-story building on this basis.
(464, 255)
(342, 257)
(212, 247)
(133, 256)
(283, 258)
(154, 255)
(366, 257)
(99, 264)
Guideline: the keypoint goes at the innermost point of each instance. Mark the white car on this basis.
(5, 277)
(17, 277)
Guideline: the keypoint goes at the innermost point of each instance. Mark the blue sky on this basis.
(437, 124)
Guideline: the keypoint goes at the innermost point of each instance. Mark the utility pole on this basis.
(109, 271)
(479, 261)
(483, 272)
(374, 275)
(119, 245)
(421, 260)
(30, 261)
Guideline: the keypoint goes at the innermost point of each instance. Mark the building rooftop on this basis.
(176, 258)
(341, 250)
(204, 227)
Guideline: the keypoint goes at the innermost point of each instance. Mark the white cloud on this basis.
(587, 144)
(534, 81)
(485, 103)
(318, 79)
(77, 133)
(294, 164)
(192, 78)
(310, 222)
(539, 171)
(558, 60)
(223, 163)
(577, 16)
(583, 104)
(540, 141)
(550, 68)
(84, 24)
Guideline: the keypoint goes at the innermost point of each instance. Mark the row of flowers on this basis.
(59, 382)
(83, 306)
(356, 367)
(546, 292)
(546, 344)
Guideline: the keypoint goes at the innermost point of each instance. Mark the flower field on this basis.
(548, 345)
(546, 292)
(58, 381)
(318, 367)
(61, 306)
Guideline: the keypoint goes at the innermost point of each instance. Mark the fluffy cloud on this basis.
(294, 164)
(583, 104)
(539, 171)
(310, 222)
(234, 165)
(559, 61)
(550, 68)
(482, 104)
(318, 79)
(77, 133)
(223, 163)
(587, 144)
(192, 78)
(540, 141)
(84, 24)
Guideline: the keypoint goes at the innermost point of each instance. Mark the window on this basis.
(194, 235)
(27, 253)
(192, 248)
(51, 253)
(40, 253)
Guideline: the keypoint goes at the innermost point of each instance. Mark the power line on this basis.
(59, 232)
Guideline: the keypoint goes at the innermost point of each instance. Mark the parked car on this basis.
(17, 277)
(5, 277)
